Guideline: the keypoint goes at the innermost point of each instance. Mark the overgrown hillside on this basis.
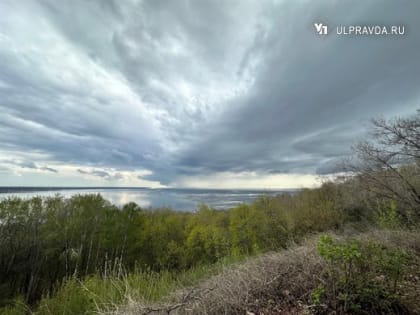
(370, 272)
(50, 242)
(82, 255)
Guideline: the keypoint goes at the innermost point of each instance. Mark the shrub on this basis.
(361, 277)
(387, 216)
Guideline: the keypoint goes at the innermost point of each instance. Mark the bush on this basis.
(387, 216)
(361, 277)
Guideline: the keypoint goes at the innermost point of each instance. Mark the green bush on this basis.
(72, 298)
(361, 277)
(387, 215)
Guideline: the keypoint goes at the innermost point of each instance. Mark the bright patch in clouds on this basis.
(249, 180)
(44, 173)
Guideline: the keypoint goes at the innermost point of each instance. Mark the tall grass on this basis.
(288, 282)
(107, 293)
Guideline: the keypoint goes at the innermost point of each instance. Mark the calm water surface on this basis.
(178, 199)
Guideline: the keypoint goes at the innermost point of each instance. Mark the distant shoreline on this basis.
(12, 189)
(23, 189)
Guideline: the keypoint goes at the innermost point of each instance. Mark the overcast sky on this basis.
(219, 94)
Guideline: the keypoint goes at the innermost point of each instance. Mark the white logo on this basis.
(321, 29)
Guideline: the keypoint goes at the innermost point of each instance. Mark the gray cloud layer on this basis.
(197, 87)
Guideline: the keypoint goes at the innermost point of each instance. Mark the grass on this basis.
(278, 282)
(286, 281)
(106, 294)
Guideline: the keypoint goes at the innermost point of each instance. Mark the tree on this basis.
(389, 164)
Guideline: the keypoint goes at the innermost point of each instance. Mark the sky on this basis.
(198, 93)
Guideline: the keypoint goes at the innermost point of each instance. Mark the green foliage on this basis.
(333, 251)
(387, 215)
(72, 298)
(317, 295)
(85, 297)
(16, 307)
(103, 293)
(362, 277)
(243, 230)
(45, 242)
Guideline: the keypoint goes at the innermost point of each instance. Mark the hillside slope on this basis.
(288, 282)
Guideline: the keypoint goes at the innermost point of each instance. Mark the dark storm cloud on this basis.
(312, 95)
(197, 87)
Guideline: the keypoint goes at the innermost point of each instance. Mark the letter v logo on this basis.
(321, 29)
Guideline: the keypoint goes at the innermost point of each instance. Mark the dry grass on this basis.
(274, 283)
